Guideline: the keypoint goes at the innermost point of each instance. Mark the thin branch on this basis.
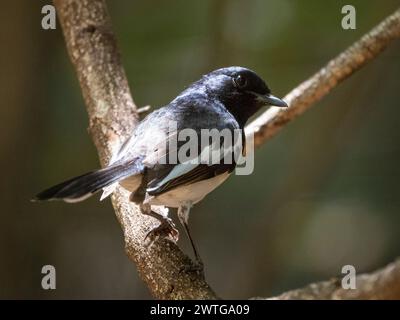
(113, 115)
(383, 284)
(320, 84)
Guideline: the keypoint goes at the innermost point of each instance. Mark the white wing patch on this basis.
(108, 190)
(177, 171)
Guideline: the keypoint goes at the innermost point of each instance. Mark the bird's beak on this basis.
(270, 100)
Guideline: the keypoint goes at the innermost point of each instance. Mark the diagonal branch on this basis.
(113, 115)
(383, 284)
(333, 73)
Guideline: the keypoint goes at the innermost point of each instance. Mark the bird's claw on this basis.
(166, 229)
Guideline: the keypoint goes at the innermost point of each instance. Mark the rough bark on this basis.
(112, 114)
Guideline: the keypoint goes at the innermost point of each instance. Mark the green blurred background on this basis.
(325, 191)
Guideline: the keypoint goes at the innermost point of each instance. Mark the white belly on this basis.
(192, 193)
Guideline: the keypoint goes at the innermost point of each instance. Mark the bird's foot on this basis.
(166, 229)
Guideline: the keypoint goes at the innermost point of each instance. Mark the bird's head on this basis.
(241, 91)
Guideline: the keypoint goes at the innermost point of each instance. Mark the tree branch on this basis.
(382, 284)
(332, 74)
(113, 115)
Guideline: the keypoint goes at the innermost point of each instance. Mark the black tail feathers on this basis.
(82, 187)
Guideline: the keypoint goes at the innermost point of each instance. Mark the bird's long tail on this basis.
(84, 186)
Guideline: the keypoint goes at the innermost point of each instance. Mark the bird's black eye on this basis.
(240, 81)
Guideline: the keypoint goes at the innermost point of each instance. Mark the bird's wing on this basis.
(153, 136)
(175, 178)
(170, 176)
(149, 139)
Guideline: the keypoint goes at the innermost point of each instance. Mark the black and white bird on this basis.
(223, 99)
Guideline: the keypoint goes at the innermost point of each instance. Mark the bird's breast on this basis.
(192, 193)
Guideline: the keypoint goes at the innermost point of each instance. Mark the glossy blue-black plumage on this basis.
(223, 99)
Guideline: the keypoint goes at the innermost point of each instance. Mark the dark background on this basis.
(325, 191)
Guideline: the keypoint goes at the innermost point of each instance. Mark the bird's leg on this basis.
(166, 228)
(183, 215)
